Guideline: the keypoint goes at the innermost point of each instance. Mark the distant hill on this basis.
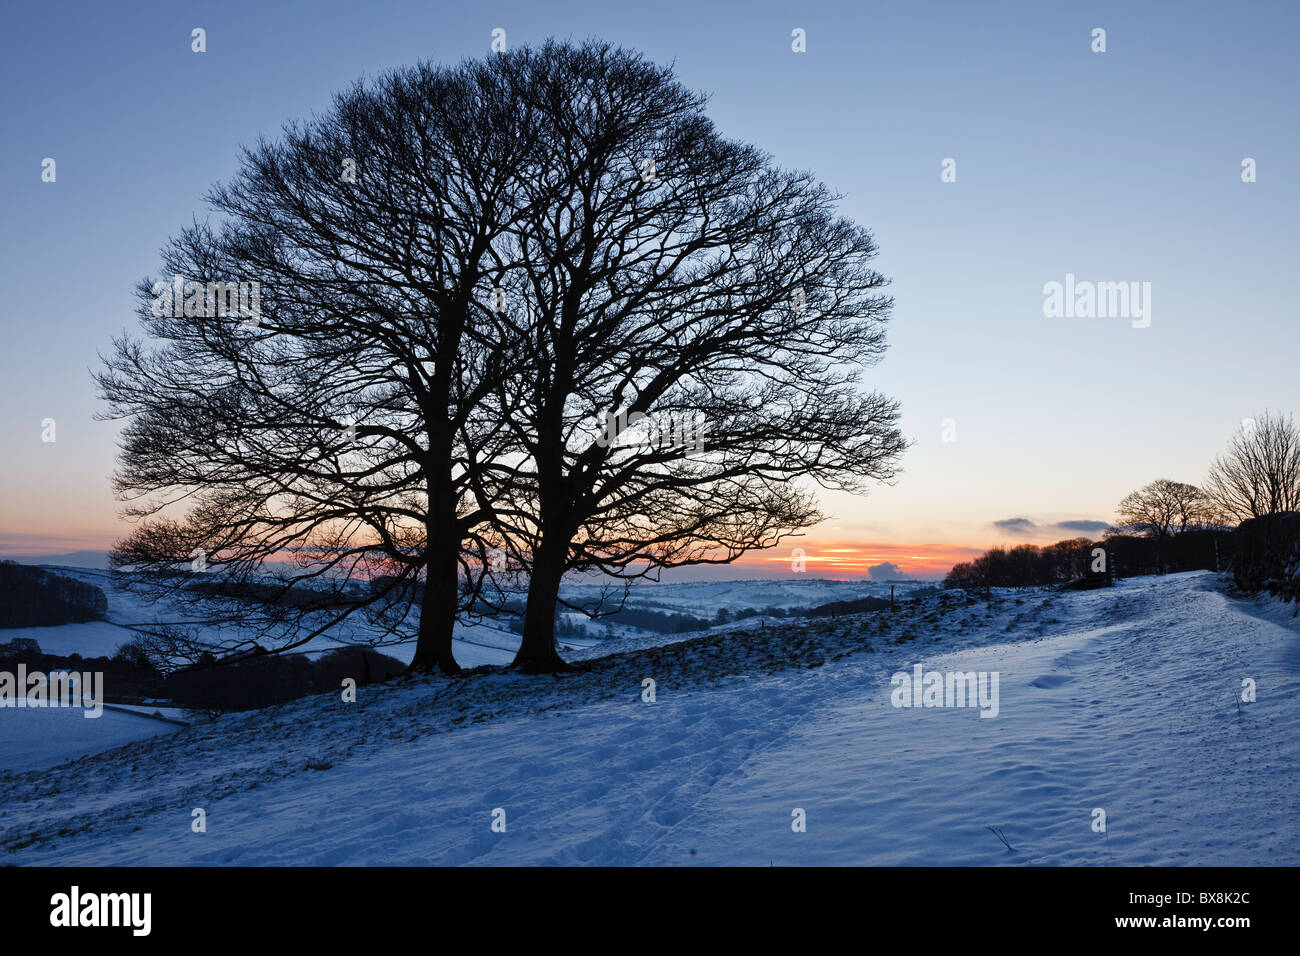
(73, 559)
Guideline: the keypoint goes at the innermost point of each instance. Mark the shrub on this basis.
(275, 679)
(124, 679)
(1266, 556)
(1128, 555)
(1025, 565)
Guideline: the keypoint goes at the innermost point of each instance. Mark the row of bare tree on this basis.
(473, 282)
(1258, 475)
(1167, 522)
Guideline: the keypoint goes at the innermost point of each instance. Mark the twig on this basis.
(997, 832)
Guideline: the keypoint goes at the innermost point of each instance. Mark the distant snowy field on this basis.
(1123, 699)
(486, 642)
(705, 597)
(32, 739)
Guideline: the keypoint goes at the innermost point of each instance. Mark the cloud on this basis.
(885, 571)
(1087, 527)
(1015, 525)
(1024, 527)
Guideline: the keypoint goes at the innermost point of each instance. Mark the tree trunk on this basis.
(537, 654)
(438, 612)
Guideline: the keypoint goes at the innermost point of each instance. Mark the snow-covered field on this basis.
(480, 642)
(34, 739)
(1124, 700)
(476, 645)
(705, 597)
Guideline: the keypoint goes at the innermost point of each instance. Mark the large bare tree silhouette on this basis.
(472, 281)
(666, 271)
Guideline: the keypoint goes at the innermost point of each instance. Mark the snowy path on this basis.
(1120, 718)
(1121, 699)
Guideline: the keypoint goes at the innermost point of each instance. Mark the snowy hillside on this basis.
(1125, 700)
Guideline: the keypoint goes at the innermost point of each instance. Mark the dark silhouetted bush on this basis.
(1266, 556)
(275, 679)
(1071, 561)
(1191, 550)
(1025, 565)
(125, 680)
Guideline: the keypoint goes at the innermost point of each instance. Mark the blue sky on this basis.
(1115, 166)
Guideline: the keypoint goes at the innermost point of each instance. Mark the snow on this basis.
(705, 597)
(33, 739)
(89, 638)
(1123, 699)
(481, 642)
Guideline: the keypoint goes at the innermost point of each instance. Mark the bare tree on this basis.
(674, 283)
(473, 282)
(333, 432)
(1163, 509)
(1260, 473)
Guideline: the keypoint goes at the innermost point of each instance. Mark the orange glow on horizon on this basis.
(820, 557)
(857, 558)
